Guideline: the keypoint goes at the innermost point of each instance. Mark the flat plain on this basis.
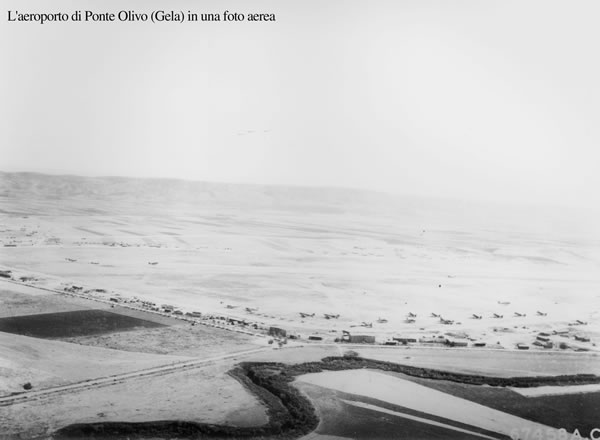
(245, 258)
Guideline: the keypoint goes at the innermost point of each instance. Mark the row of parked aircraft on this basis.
(516, 315)
(474, 316)
(325, 315)
(410, 317)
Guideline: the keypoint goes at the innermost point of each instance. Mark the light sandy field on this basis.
(205, 395)
(501, 363)
(47, 363)
(556, 391)
(420, 398)
(286, 251)
(20, 300)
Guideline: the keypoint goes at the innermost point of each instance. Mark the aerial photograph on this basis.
(316, 220)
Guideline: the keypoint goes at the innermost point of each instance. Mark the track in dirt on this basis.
(119, 378)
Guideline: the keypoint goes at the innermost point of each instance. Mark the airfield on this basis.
(121, 293)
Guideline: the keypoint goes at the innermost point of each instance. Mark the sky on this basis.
(470, 100)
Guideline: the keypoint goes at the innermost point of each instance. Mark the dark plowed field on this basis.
(71, 324)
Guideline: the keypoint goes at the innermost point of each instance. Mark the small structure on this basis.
(405, 340)
(522, 346)
(277, 332)
(432, 339)
(582, 338)
(362, 339)
(456, 343)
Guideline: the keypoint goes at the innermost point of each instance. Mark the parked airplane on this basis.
(435, 315)
(410, 321)
(412, 315)
(72, 260)
(329, 316)
(504, 303)
(477, 316)
(229, 306)
(367, 324)
(446, 321)
(382, 321)
(520, 315)
(251, 309)
(498, 316)
(541, 313)
(153, 263)
(306, 315)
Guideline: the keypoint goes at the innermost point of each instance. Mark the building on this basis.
(405, 340)
(277, 332)
(362, 339)
(456, 343)
(433, 339)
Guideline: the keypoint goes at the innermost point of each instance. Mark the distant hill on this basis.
(67, 189)
(35, 193)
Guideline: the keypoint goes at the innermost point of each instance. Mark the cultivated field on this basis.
(421, 408)
(204, 394)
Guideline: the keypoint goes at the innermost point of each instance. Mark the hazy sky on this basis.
(469, 99)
